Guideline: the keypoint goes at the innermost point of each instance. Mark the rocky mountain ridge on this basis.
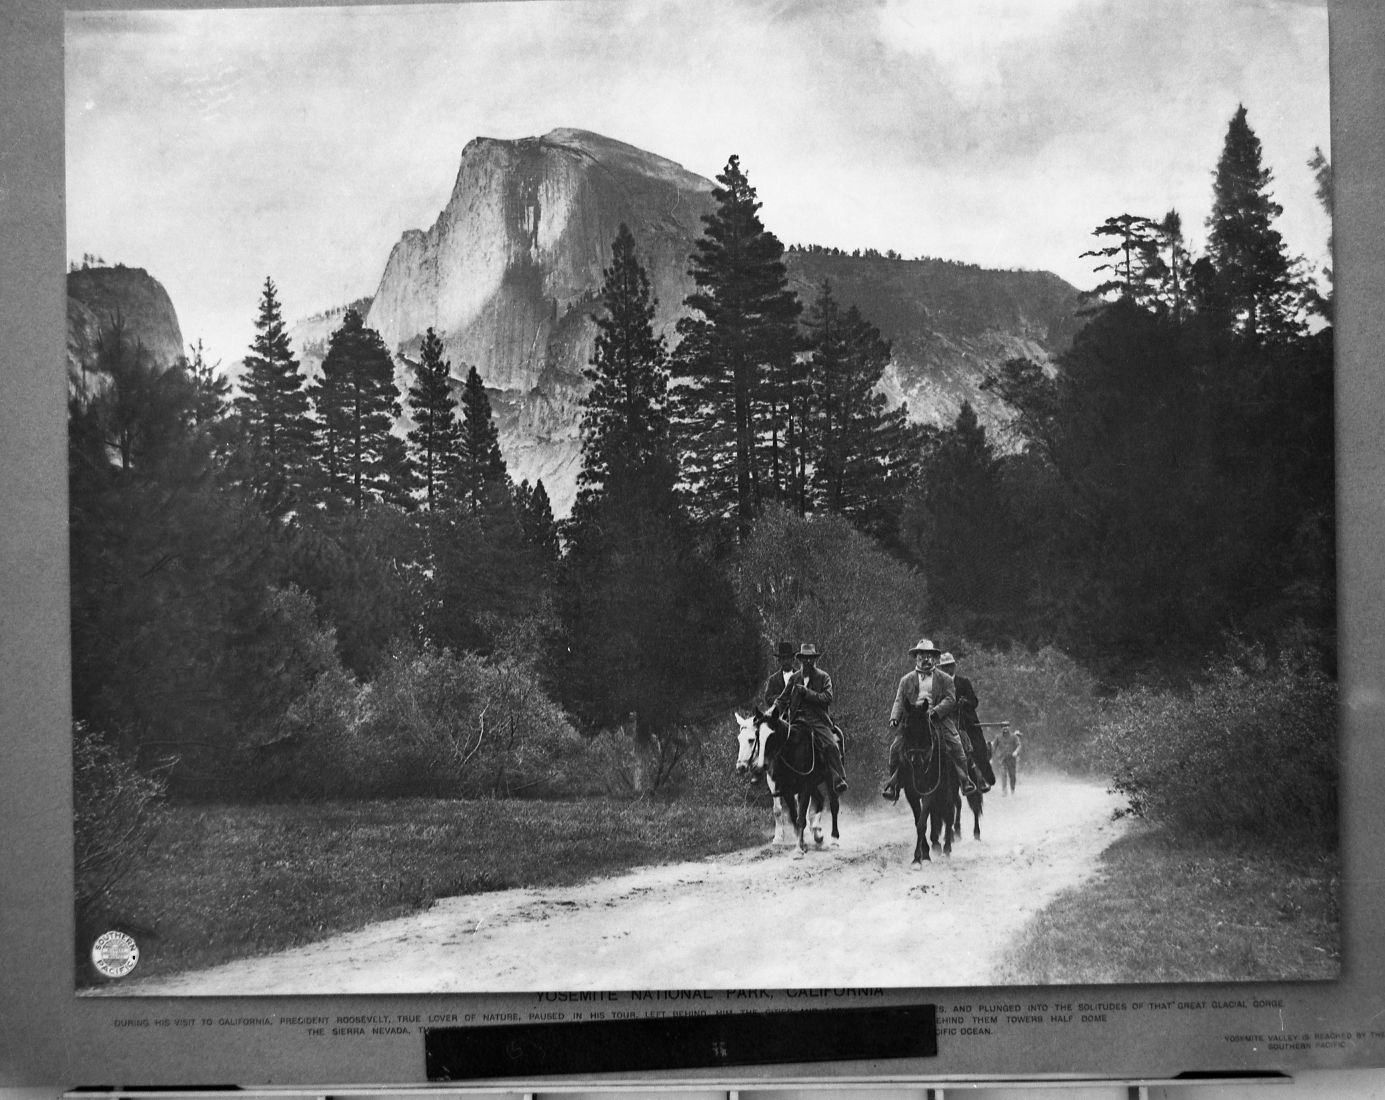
(510, 272)
(98, 297)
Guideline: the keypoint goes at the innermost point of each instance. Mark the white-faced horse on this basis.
(750, 760)
(756, 757)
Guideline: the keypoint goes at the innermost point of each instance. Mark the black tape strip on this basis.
(681, 1042)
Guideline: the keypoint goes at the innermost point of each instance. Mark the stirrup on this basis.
(891, 792)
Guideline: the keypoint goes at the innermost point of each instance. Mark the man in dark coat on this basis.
(931, 689)
(973, 736)
(805, 701)
(778, 681)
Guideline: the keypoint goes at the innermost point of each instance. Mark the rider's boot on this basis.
(891, 790)
(978, 780)
(968, 787)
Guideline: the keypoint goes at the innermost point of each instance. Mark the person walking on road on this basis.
(973, 736)
(1005, 749)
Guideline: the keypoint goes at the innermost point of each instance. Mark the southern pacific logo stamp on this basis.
(114, 954)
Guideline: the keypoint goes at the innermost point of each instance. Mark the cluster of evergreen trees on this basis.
(1173, 482)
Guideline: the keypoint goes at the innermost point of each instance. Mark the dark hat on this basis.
(924, 646)
(787, 651)
(807, 649)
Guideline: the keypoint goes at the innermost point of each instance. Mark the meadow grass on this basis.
(1164, 908)
(225, 882)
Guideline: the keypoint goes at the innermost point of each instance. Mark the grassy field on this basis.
(225, 882)
(1145, 917)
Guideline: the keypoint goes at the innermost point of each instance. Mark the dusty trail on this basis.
(851, 916)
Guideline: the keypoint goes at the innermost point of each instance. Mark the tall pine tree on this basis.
(273, 408)
(626, 443)
(357, 404)
(649, 627)
(482, 484)
(1254, 282)
(736, 360)
(436, 439)
(859, 445)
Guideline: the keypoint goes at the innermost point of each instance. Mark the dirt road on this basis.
(852, 916)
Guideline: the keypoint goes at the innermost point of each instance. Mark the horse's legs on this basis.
(834, 803)
(800, 819)
(789, 802)
(778, 821)
(920, 825)
(816, 799)
(976, 802)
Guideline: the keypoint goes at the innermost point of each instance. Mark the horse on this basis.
(929, 784)
(981, 755)
(798, 775)
(750, 760)
(975, 801)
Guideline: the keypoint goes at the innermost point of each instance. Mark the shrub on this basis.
(1046, 695)
(1253, 750)
(431, 723)
(116, 811)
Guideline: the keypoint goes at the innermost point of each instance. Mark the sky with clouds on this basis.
(215, 147)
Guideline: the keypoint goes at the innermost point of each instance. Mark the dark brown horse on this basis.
(929, 784)
(975, 800)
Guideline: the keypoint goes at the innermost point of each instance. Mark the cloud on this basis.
(217, 146)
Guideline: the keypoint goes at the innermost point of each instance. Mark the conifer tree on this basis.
(1131, 259)
(436, 438)
(1253, 282)
(626, 444)
(631, 579)
(859, 444)
(357, 403)
(482, 483)
(1174, 268)
(273, 410)
(736, 358)
(536, 518)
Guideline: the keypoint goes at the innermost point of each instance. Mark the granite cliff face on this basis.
(947, 324)
(510, 274)
(510, 271)
(97, 296)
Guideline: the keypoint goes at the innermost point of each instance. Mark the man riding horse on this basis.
(787, 656)
(931, 688)
(804, 702)
(968, 722)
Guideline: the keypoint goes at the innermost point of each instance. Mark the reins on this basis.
(936, 747)
(812, 757)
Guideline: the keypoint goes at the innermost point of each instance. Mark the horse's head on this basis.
(754, 733)
(748, 744)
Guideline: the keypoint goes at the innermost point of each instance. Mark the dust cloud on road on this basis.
(855, 915)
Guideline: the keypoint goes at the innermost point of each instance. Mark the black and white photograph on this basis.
(575, 495)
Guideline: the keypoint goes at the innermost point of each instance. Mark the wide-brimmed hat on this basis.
(807, 649)
(787, 651)
(924, 646)
(946, 659)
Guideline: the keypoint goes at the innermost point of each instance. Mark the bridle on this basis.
(812, 753)
(935, 748)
